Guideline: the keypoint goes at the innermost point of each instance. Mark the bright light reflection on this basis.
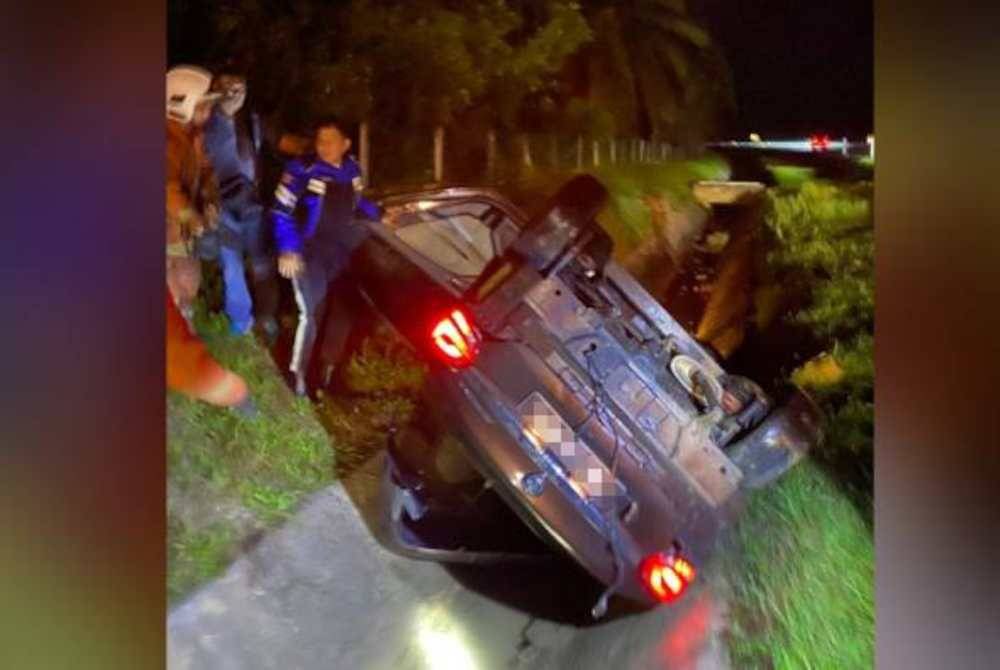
(441, 642)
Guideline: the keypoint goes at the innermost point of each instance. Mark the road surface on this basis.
(320, 592)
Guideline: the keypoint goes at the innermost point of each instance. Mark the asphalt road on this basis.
(320, 592)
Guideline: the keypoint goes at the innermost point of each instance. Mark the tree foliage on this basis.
(409, 62)
(656, 55)
(642, 66)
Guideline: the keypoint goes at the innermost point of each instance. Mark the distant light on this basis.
(754, 137)
(819, 142)
(425, 204)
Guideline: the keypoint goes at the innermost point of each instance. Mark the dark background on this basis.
(799, 67)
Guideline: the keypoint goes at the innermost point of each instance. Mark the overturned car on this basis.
(560, 395)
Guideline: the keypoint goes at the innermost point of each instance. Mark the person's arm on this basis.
(180, 212)
(286, 197)
(211, 201)
(362, 204)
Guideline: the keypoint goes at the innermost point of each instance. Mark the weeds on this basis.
(802, 576)
(802, 565)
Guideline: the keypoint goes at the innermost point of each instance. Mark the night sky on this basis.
(798, 66)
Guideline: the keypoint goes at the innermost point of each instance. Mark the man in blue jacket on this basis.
(315, 230)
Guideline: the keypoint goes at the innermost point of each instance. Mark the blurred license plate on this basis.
(550, 433)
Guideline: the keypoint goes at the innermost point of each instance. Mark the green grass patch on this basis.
(627, 218)
(384, 379)
(803, 578)
(228, 477)
(791, 176)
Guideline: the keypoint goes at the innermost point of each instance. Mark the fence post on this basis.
(364, 150)
(579, 152)
(525, 151)
(439, 154)
(554, 150)
(491, 154)
(597, 153)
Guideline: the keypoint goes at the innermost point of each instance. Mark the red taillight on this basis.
(666, 576)
(455, 339)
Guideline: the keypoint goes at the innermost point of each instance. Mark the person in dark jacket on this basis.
(315, 230)
(232, 147)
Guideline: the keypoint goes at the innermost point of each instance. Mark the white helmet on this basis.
(187, 85)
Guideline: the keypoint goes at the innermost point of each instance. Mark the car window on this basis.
(454, 237)
(504, 234)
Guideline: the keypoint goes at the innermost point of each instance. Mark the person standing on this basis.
(325, 188)
(232, 148)
(191, 209)
(192, 192)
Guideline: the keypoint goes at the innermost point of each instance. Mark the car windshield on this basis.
(453, 236)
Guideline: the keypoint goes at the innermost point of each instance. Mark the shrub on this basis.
(825, 246)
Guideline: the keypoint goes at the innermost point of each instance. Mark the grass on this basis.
(802, 568)
(791, 176)
(230, 478)
(628, 218)
(384, 379)
(802, 576)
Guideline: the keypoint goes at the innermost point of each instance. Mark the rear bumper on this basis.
(779, 442)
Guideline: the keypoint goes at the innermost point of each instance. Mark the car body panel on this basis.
(571, 409)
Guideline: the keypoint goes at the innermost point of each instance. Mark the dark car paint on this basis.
(411, 292)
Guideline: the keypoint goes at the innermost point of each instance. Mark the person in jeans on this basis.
(192, 202)
(323, 189)
(232, 149)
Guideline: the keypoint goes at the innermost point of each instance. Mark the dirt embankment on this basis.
(702, 266)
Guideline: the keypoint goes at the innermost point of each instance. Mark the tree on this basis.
(678, 79)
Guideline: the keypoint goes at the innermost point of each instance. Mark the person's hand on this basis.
(211, 215)
(290, 265)
(196, 225)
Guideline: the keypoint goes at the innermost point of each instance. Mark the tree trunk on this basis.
(554, 151)
(579, 152)
(491, 154)
(364, 151)
(611, 150)
(439, 154)
(525, 151)
(597, 153)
